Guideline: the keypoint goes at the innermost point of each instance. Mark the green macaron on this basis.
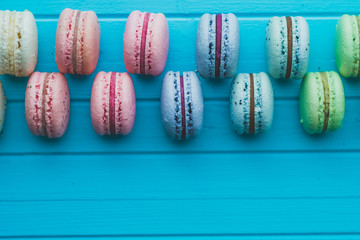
(347, 45)
(322, 102)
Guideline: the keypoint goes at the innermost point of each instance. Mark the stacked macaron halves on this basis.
(251, 103)
(47, 104)
(146, 43)
(287, 47)
(77, 42)
(2, 106)
(347, 45)
(19, 43)
(322, 102)
(217, 45)
(181, 104)
(113, 104)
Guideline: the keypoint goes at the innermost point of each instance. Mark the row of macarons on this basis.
(113, 103)
(146, 44)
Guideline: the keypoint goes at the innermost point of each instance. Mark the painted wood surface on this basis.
(284, 184)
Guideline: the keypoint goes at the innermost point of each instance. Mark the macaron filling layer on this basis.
(43, 104)
(290, 47)
(183, 118)
(325, 83)
(358, 24)
(112, 103)
(252, 106)
(75, 40)
(143, 42)
(218, 44)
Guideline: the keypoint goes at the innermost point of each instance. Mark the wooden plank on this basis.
(202, 237)
(189, 6)
(170, 217)
(183, 33)
(179, 176)
(148, 135)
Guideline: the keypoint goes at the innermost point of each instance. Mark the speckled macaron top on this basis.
(217, 45)
(287, 47)
(251, 103)
(181, 104)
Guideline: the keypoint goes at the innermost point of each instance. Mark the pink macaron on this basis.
(113, 103)
(47, 104)
(146, 43)
(77, 42)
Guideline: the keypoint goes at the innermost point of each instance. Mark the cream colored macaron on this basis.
(19, 43)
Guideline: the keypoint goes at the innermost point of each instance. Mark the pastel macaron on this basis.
(217, 45)
(47, 104)
(146, 43)
(77, 42)
(287, 47)
(347, 45)
(2, 106)
(251, 103)
(113, 103)
(181, 104)
(322, 102)
(19, 43)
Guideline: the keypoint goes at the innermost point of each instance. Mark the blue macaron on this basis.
(251, 103)
(181, 104)
(217, 45)
(287, 47)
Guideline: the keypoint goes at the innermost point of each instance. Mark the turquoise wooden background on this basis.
(284, 184)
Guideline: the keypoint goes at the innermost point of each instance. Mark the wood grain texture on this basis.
(284, 184)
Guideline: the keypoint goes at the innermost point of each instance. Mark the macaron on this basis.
(322, 102)
(47, 104)
(347, 45)
(287, 47)
(251, 103)
(77, 42)
(181, 104)
(146, 43)
(113, 104)
(2, 106)
(19, 43)
(217, 45)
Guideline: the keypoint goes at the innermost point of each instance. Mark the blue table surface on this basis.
(284, 184)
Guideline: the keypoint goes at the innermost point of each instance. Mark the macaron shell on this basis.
(170, 103)
(27, 45)
(311, 103)
(206, 35)
(276, 46)
(301, 47)
(157, 44)
(267, 103)
(194, 98)
(347, 46)
(99, 103)
(2, 106)
(230, 45)
(125, 101)
(337, 101)
(90, 48)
